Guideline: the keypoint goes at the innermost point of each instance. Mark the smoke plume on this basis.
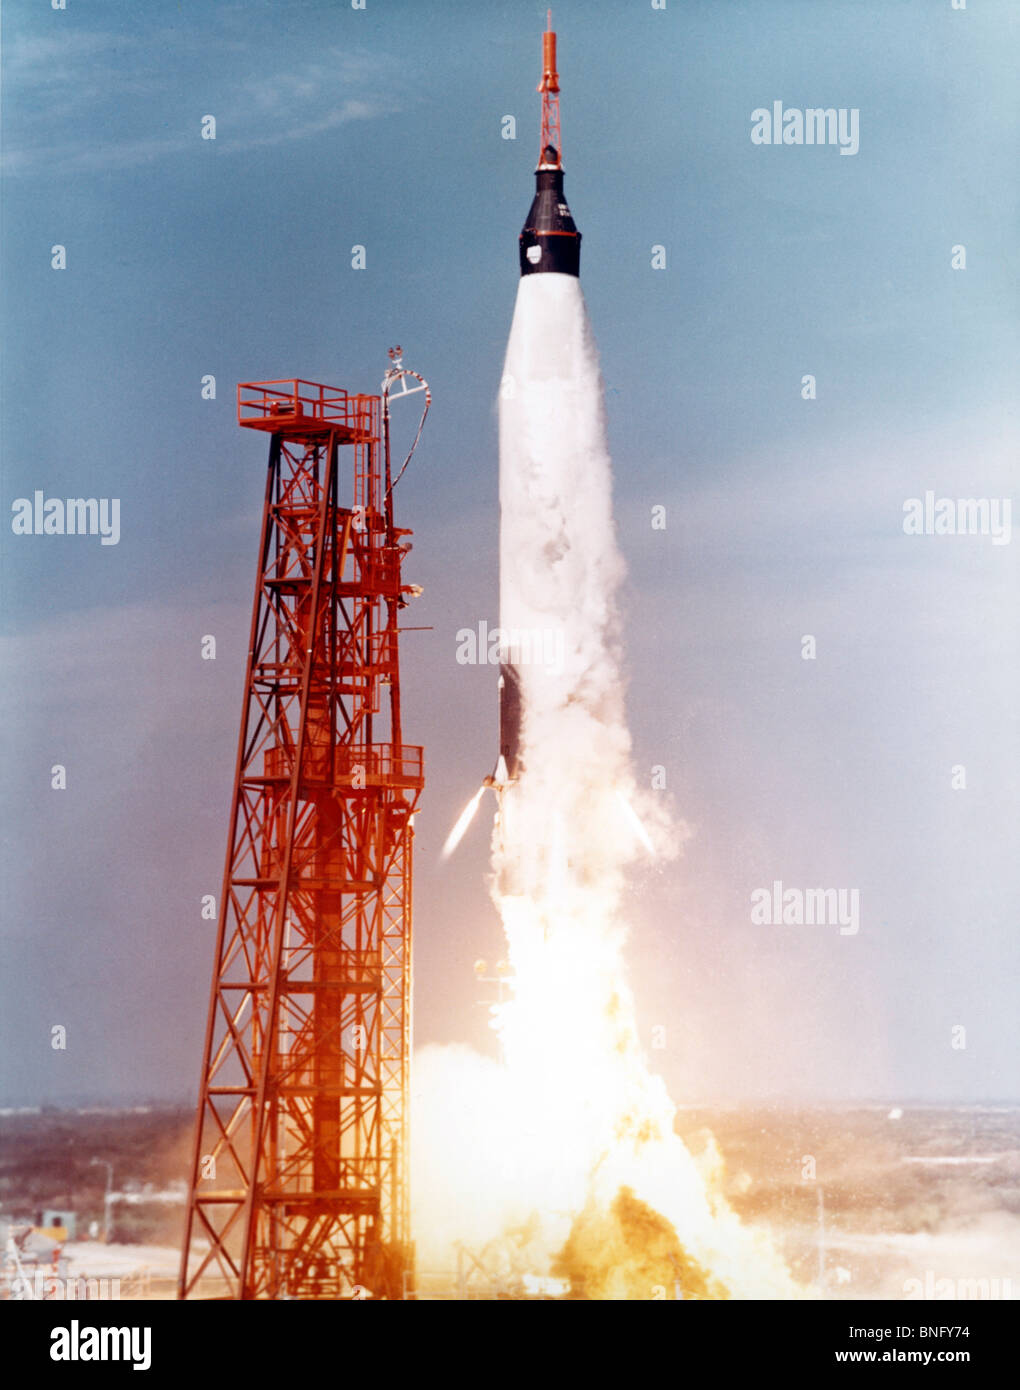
(571, 1134)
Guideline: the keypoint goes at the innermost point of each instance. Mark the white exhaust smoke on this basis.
(570, 1123)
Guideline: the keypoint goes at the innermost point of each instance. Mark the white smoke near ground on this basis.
(571, 1116)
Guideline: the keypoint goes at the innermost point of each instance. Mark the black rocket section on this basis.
(510, 720)
(549, 240)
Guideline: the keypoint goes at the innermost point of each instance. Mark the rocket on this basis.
(550, 244)
(561, 757)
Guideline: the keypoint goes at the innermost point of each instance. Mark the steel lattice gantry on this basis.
(299, 1181)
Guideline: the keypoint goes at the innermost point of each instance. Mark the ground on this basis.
(865, 1202)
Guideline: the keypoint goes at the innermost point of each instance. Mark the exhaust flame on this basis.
(461, 826)
(565, 1150)
(635, 821)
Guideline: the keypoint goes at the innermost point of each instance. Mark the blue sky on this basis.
(382, 128)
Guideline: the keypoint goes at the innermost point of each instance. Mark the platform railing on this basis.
(264, 404)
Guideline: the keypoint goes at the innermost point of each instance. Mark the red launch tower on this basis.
(299, 1177)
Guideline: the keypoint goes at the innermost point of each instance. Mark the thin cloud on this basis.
(80, 157)
(114, 92)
